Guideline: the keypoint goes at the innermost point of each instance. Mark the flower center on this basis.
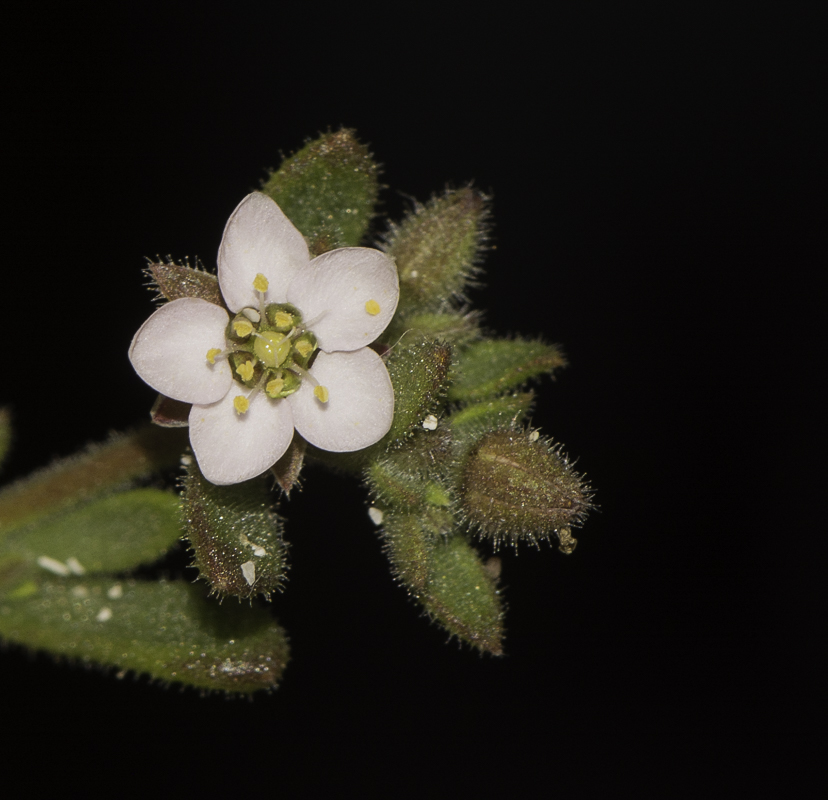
(270, 350)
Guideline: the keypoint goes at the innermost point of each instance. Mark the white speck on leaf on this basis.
(249, 571)
(53, 565)
(376, 515)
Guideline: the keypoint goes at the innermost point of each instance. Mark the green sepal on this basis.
(101, 469)
(113, 534)
(419, 369)
(513, 485)
(458, 328)
(462, 595)
(235, 535)
(437, 249)
(408, 543)
(496, 412)
(5, 433)
(173, 281)
(328, 190)
(167, 630)
(493, 366)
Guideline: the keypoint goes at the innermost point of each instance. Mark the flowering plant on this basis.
(367, 360)
(299, 337)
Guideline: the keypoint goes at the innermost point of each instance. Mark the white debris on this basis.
(249, 571)
(258, 551)
(115, 592)
(53, 565)
(104, 614)
(534, 436)
(186, 461)
(75, 566)
(430, 423)
(376, 515)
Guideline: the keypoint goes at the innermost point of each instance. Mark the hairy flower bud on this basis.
(514, 485)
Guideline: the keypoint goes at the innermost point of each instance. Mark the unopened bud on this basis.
(513, 487)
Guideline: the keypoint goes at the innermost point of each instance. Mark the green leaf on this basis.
(455, 327)
(419, 368)
(328, 190)
(168, 631)
(497, 412)
(462, 595)
(236, 537)
(437, 249)
(113, 534)
(409, 542)
(493, 366)
(101, 469)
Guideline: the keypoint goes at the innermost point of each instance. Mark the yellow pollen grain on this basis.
(212, 353)
(275, 387)
(260, 283)
(241, 404)
(242, 328)
(321, 394)
(372, 307)
(304, 348)
(283, 319)
(245, 370)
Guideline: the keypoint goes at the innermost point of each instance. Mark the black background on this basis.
(659, 182)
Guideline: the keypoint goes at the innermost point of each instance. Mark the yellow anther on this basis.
(245, 370)
(283, 320)
(274, 387)
(212, 353)
(242, 328)
(321, 394)
(241, 404)
(372, 307)
(304, 348)
(260, 283)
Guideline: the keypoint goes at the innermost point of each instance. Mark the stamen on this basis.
(260, 283)
(274, 387)
(303, 374)
(245, 370)
(212, 353)
(304, 348)
(321, 393)
(283, 319)
(241, 404)
(242, 328)
(372, 307)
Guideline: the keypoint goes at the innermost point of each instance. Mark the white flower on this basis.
(344, 401)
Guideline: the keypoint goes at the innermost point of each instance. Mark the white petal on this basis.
(336, 287)
(169, 351)
(258, 238)
(360, 403)
(231, 447)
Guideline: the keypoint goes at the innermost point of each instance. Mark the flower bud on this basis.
(515, 486)
(437, 248)
(328, 190)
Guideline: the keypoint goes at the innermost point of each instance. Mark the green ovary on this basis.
(271, 348)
